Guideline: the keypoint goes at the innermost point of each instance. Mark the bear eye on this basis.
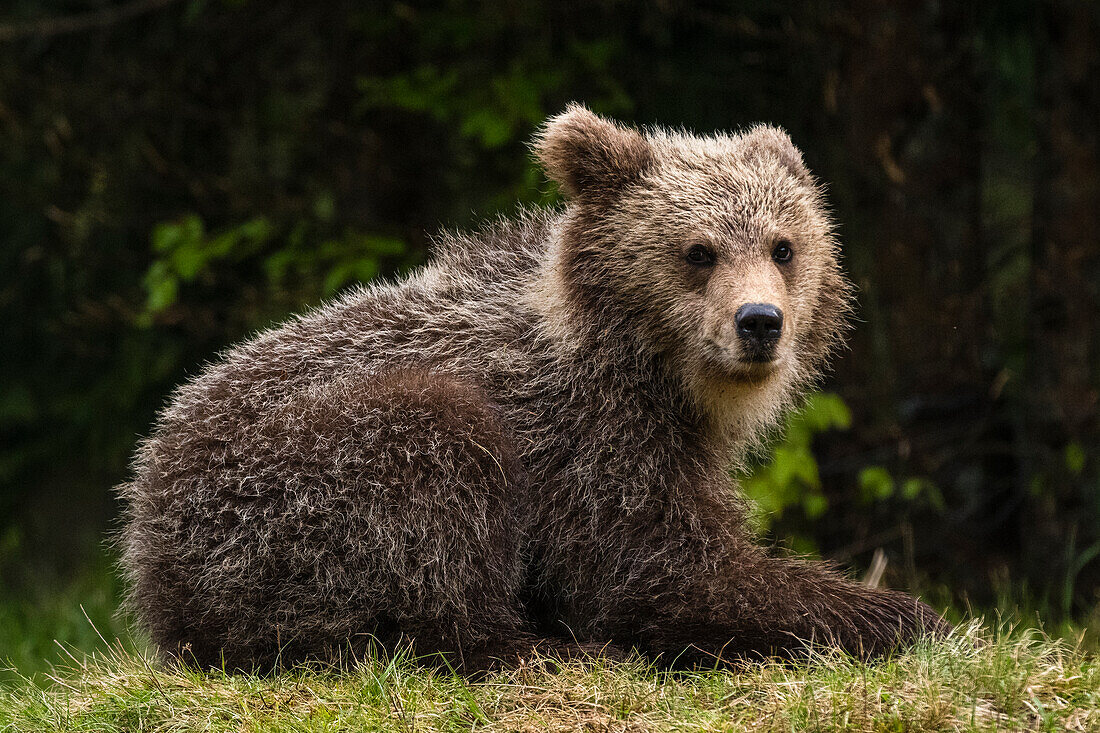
(700, 255)
(783, 251)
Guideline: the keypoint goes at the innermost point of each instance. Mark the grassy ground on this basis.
(978, 680)
(35, 618)
(982, 679)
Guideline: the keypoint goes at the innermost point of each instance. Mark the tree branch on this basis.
(80, 22)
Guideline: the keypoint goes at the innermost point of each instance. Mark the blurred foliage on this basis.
(789, 475)
(184, 253)
(51, 620)
(176, 179)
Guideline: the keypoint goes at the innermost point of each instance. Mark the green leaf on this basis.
(489, 127)
(324, 207)
(1075, 458)
(911, 488)
(875, 484)
(826, 411)
(814, 505)
(256, 230)
(171, 235)
(161, 286)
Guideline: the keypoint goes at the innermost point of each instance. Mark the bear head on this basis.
(716, 253)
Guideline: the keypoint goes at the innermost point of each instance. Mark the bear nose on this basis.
(759, 324)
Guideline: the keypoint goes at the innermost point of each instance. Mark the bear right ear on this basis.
(588, 155)
(766, 141)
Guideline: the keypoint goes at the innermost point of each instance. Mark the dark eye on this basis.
(782, 252)
(699, 255)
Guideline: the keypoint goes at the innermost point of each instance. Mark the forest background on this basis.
(177, 174)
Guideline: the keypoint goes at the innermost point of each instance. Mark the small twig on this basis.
(878, 567)
(80, 22)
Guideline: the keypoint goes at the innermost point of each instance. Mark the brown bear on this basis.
(526, 442)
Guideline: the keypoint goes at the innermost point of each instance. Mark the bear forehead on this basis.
(758, 167)
(723, 191)
(757, 142)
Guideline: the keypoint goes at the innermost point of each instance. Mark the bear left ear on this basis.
(588, 155)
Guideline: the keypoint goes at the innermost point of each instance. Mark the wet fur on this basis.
(520, 445)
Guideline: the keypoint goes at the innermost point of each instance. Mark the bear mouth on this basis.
(739, 366)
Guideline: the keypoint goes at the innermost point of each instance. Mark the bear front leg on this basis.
(762, 606)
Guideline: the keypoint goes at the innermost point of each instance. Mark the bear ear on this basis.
(764, 141)
(588, 155)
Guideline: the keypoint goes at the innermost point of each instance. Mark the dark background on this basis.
(175, 174)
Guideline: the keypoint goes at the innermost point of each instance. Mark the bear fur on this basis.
(526, 443)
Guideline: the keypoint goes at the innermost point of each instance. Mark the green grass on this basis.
(980, 679)
(35, 619)
(64, 676)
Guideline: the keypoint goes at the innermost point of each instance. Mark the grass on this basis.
(1000, 676)
(34, 618)
(980, 679)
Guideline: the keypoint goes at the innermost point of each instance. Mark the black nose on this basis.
(759, 324)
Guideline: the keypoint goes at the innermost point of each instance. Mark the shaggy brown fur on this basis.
(526, 442)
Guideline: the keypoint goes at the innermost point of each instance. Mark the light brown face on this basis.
(717, 250)
(745, 313)
(727, 249)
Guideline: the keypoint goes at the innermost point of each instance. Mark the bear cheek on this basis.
(718, 308)
(804, 284)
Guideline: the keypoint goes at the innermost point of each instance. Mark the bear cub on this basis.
(527, 442)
